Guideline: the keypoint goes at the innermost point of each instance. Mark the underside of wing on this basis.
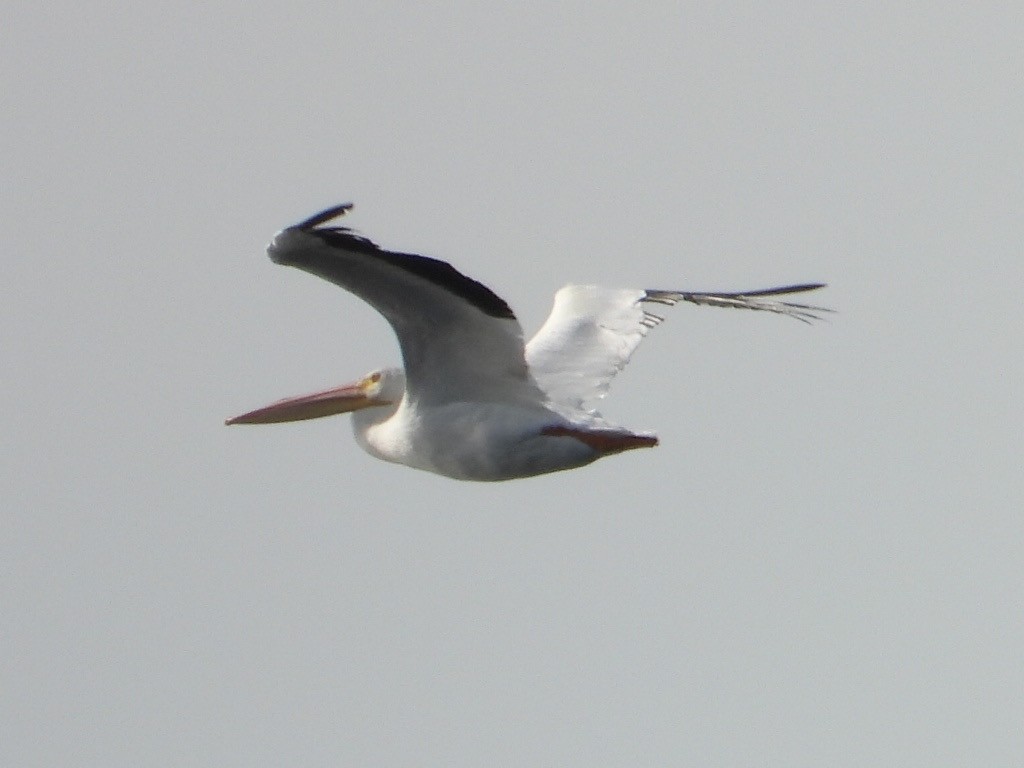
(459, 340)
(592, 332)
(588, 338)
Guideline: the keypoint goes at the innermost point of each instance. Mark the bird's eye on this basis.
(375, 377)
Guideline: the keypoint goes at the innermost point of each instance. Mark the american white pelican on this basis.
(473, 402)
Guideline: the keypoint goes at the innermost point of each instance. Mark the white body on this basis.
(470, 441)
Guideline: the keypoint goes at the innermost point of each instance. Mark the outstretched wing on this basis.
(592, 332)
(459, 340)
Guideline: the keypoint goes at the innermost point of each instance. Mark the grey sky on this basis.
(820, 565)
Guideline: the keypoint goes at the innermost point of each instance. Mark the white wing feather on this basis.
(592, 332)
(588, 338)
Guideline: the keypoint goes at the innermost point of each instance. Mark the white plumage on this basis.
(473, 402)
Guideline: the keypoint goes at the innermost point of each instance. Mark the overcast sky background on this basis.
(821, 563)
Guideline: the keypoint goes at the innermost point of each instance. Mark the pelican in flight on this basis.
(473, 401)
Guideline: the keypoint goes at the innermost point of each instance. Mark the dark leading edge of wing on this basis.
(439, 272)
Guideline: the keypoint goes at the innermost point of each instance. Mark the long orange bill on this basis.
(350, 397)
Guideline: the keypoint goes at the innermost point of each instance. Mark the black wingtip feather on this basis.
(324, 216)
(784, 290)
